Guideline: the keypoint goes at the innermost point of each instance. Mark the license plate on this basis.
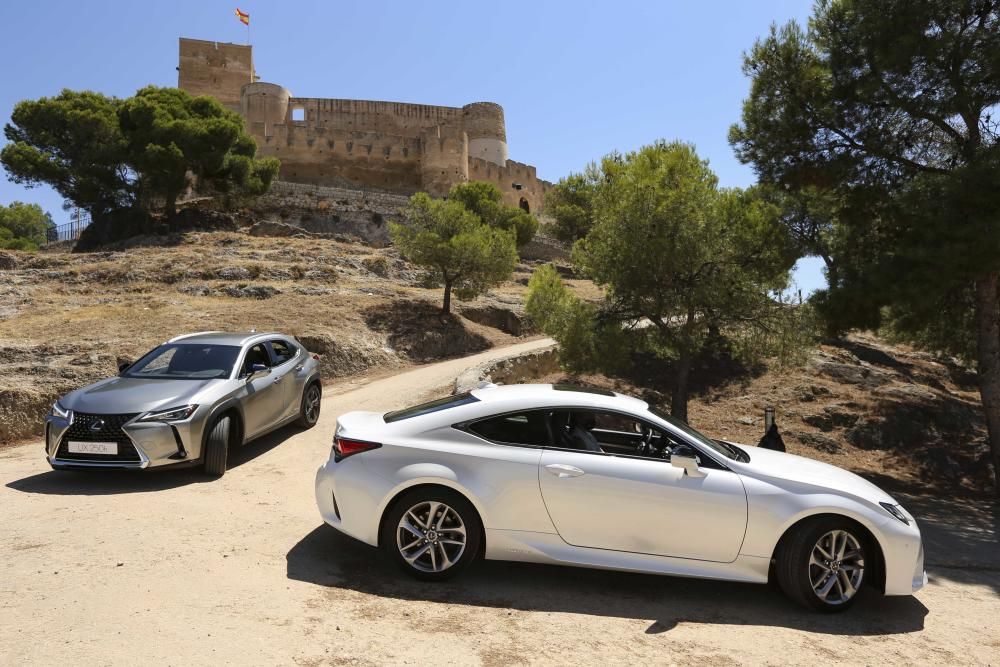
(92, 447)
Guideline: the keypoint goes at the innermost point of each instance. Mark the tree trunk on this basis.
(988, 343)
(446, 308)
(679, 399)
(170, 207)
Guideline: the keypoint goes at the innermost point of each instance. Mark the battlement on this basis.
(396, 147)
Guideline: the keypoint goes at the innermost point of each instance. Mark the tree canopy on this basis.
(890, 107)
(681, 260)
(457, 248)
(570, 204)
(104, 154)
(72, 142)
(24, 226)
(486, 201)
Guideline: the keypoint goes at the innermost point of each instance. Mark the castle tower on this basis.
(484, 124)
(444, 159)
(216, 69)
(264, 105)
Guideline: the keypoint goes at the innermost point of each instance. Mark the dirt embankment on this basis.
(67, 320)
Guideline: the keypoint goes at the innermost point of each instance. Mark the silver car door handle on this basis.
(562, 470)
(299, 367)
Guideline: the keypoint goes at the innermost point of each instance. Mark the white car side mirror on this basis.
(688, 461)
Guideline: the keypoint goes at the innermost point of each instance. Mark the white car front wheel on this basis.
(822, 565)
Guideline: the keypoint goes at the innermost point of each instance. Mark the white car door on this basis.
(643, 505)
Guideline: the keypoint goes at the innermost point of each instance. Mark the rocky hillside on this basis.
(905, 419)
(68, 319)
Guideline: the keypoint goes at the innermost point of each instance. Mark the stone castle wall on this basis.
(396, 147)
(365, 214)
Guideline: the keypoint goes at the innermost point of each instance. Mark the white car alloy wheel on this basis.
(836, 567)
(431, 537)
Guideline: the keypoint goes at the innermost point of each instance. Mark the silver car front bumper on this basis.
(140, 444)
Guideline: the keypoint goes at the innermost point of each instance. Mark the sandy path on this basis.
(171, 568)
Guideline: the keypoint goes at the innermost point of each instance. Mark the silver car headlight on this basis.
(60, 411)
(896, 511)
(169, 415)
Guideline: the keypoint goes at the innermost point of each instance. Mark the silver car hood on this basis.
(123, 395)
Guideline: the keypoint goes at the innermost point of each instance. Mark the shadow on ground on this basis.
(420, 330)
(961, 538)
(113, 482)
(327, 558)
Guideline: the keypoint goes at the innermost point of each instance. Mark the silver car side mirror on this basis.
(687, 460)
(258, 371)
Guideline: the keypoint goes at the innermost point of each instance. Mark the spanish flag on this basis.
(244, 18)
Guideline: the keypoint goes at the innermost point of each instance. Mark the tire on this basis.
(309, 407)
(430, 564)
(217, 447)
(824, 554)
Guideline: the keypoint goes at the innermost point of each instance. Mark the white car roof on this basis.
(514, 398)
(542, 395)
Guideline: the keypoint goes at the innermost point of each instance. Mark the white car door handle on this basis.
(562, 470)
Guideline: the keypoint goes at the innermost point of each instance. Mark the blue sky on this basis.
(576, 79)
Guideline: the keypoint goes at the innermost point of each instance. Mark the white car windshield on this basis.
(186, 361)
(717, 446)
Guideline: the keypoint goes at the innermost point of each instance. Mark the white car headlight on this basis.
(169, 415)
(60, 411)
(896, 511)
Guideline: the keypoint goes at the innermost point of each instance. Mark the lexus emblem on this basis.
(97, 425)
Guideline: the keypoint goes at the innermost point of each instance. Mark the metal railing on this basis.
(70, 231)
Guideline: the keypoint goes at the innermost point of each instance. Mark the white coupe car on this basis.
(574, 476)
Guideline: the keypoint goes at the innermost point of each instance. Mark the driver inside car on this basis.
(578, 434)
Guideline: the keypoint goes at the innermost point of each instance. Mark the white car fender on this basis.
(429, 473)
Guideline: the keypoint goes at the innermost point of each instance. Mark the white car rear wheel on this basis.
(431, 533)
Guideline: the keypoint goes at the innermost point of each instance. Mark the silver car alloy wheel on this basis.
(836, 567)
(431, 536)
(312, 403)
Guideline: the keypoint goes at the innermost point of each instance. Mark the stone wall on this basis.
(513, 369)
(331, 210)
(507, 178)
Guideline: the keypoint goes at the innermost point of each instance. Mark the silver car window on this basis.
(177, 361)
(283, 351)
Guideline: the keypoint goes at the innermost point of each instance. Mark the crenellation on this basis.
(397, 147)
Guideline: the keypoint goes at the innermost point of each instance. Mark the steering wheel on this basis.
(646, 446)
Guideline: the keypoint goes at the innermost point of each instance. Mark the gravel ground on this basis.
(170, 567)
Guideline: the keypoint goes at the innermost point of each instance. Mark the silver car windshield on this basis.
(186, 361)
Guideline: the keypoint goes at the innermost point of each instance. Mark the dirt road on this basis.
(174, 568)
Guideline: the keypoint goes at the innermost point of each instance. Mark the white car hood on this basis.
(768, 464)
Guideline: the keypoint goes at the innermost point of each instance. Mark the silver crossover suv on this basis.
(189, 401)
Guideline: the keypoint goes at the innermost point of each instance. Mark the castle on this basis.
(388, 146)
